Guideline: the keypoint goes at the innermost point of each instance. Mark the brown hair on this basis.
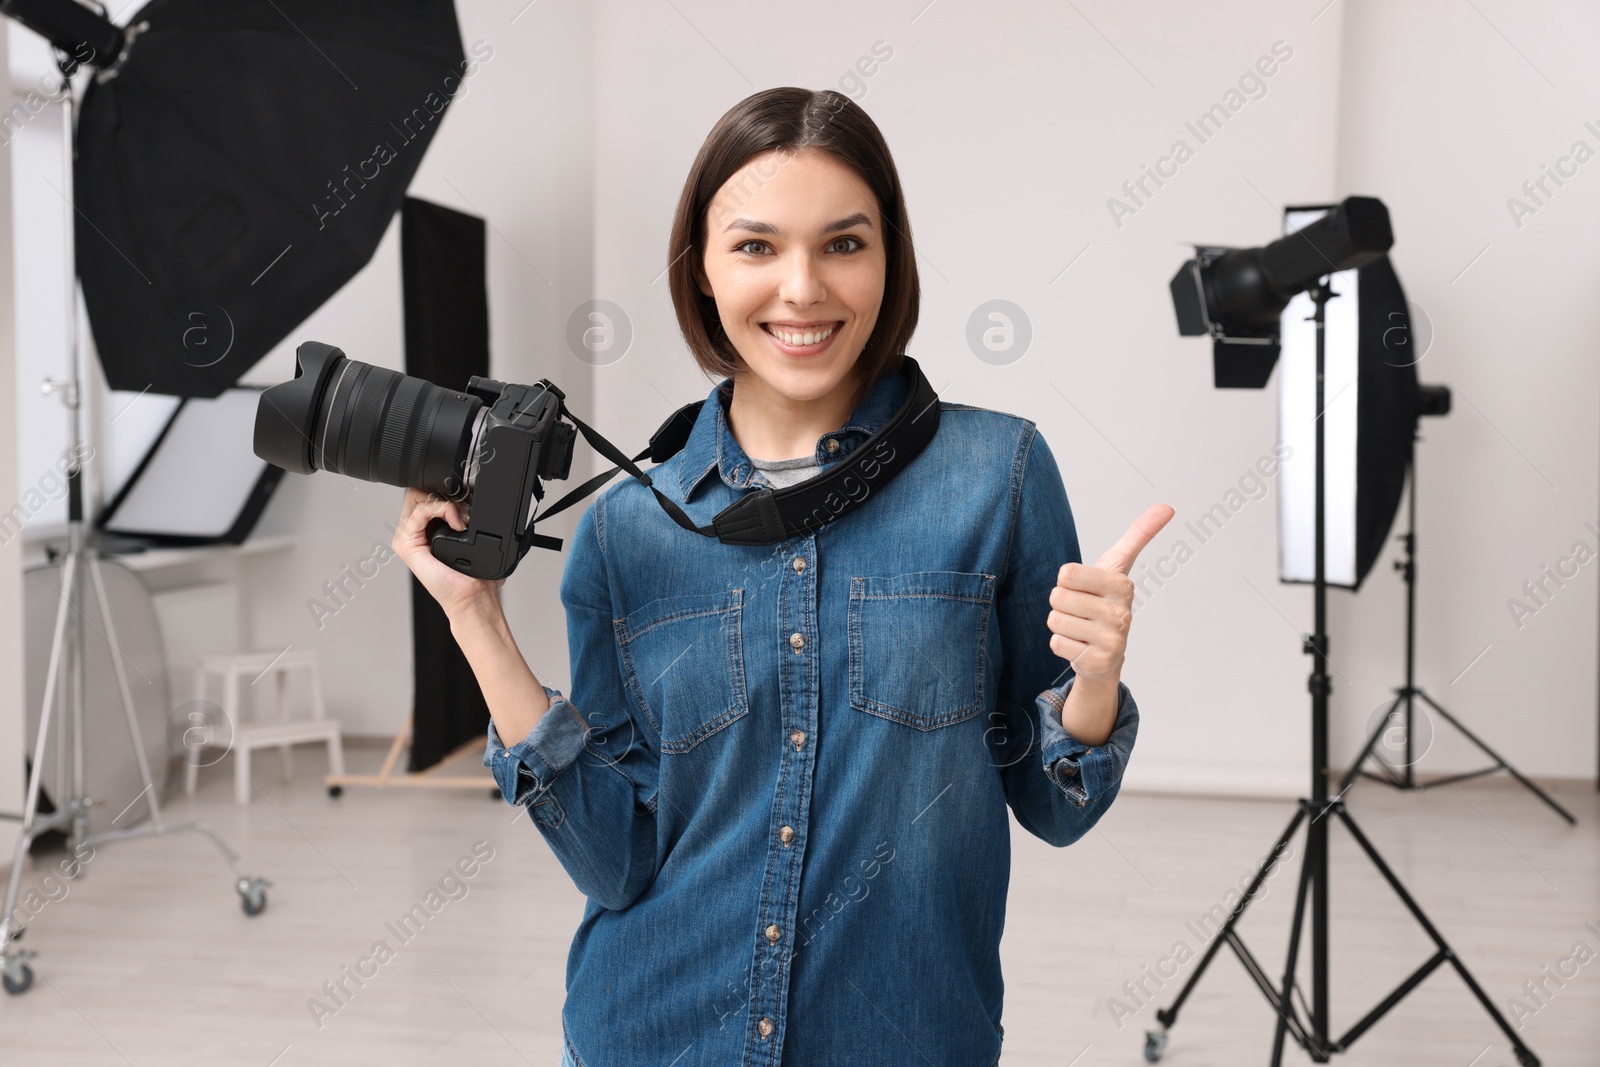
(789, 120)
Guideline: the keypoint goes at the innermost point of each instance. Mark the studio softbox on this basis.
(1370, 411)
(240, 166)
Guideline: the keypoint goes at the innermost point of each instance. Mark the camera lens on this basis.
(368, 422)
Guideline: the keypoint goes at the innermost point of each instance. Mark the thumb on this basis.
(1120, 556)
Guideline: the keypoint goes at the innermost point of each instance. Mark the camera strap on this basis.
(768, 516)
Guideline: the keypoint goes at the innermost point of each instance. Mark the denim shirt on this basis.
(783, 773)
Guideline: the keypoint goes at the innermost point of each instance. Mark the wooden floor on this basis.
(149, 960)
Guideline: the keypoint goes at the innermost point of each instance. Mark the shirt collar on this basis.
(711, 445)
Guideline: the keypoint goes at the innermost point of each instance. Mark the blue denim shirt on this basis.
(783, 773)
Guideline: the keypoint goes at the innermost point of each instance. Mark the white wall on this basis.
(12, 688)
(1445, 114)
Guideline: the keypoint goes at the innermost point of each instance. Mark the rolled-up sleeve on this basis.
(525, 770)
(1090, 776)
(1057, 786)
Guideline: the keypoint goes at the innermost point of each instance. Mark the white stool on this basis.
(281, 734)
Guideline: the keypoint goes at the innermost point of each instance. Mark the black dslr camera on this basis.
(485, 448)
(489, 446)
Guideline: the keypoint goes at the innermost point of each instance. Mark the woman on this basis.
(783, 774)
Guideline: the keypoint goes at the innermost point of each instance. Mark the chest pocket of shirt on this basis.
(917, 646)
(684, 660)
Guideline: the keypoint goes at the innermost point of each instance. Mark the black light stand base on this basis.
(1406, 780)
(1309, 1033)
(1404, 777)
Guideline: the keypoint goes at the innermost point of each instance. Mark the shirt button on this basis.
(773, 933)
(786, 834)
(799, 564)
(798, 737)
(832, 445)
(797, 641)
(764, 1028)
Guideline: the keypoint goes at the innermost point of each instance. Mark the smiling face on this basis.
(795, 260)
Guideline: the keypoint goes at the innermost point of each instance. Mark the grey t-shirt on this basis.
(780, 473)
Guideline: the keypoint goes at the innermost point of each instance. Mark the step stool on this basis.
(280, 734)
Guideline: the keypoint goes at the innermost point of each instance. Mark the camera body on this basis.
(486, 447)
(519, 439)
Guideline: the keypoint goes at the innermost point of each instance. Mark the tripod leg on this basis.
(69, 573)
(126, 693)
(251, 889)
(1524, 1054)
(30, 809)
(1286, 998)
(1492, 754)
(1366, 750)
(1168, 1016)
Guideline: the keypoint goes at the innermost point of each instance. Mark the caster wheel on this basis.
(253, 895)
(336, 790)
(19, 985)
(494, 794)
(1525, 1057)
(1155, 1043)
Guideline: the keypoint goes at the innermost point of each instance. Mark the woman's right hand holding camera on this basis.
(466, 600)
(516, 698)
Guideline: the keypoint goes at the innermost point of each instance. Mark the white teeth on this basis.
(800, 337)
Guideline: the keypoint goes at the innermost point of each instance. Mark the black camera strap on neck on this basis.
(768, 516)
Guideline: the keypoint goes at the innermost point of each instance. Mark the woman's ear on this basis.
(700, 278)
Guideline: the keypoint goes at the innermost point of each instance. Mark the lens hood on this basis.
(287, 413)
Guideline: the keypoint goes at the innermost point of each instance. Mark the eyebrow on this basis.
(753, 226)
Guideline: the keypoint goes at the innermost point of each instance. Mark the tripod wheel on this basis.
(20, 985)
(253, 895)
(1155, 1043)
(335, 790)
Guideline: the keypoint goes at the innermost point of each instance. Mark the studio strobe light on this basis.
(1368, 417)
(1237, 295)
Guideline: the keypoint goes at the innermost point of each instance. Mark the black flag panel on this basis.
(447, 341)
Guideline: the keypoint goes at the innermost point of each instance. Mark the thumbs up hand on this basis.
(1092, 607)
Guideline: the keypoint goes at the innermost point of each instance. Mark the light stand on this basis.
(1404, 777)
(1312, 1032)
(67, 657)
